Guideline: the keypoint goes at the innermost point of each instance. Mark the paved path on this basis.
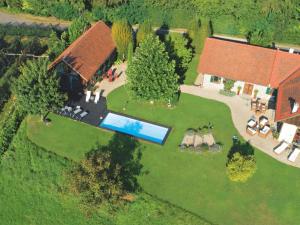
(6, 18)
(240, 112)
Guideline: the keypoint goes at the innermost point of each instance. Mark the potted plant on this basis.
(255, 93)
(239, 89)
(275, 134)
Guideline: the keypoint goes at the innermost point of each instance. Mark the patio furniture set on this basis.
(76, 113)
(258, 106)
(284, 146)
(261, 127)
(111, 75)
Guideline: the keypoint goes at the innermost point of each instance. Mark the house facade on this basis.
(87, 57)
(257, 72)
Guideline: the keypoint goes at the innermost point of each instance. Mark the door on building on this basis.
(248, 89)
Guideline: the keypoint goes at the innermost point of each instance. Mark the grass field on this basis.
(33, 191)
(197, 183)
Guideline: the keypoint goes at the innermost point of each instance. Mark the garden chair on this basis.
(97, 97)
(264, 132)
(251, 131)
(88, 96)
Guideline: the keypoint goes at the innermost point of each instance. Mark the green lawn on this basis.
(197, 183)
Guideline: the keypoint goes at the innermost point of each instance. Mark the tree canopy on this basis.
(108, 172)
(151, 75)
(77, 27)
(37, 89)
(122, 35)
(145, 29)
(179, 50)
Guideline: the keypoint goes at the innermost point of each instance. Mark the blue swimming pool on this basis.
(135, 127)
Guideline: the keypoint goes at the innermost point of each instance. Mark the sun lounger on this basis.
(77, 111)
(281, 147)
(198, 140)
(188, 140)
(97, 97)
(88, 96)
(83, 114)
(293, 156)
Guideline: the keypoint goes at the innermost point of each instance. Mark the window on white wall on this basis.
(269, 91)
(215, 79)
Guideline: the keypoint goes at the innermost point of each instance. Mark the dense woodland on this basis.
(263, 21)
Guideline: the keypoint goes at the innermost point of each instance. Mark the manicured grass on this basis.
(197, 183)
(191, 74)
(75, 138)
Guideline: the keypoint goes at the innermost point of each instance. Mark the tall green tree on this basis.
(122, 35)
(194, 33)
(77, 28)
(37, 89)
(145, 29)
(179, 50)
(108, 172)
(151, 75)
(55, 45)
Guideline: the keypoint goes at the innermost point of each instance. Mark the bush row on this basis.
(25, 30)
(10, 120)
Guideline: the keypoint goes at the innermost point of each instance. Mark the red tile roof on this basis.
(87, 53)
(253, 64)
(288, 89)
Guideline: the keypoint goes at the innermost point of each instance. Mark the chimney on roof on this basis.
(291, 50)
(295, 107)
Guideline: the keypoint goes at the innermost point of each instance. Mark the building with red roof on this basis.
(87, 56)
(256, 72)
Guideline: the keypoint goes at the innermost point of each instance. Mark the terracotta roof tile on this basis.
(240, 61)
(87, 53)
(288, 90)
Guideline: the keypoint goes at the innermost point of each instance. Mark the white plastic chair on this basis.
(97, 97)
(88, 96)
(281, 147)
(293, 156)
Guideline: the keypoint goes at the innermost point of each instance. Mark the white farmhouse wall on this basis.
(261, 92)
(236, 85)
(218, 86)
(211, 85)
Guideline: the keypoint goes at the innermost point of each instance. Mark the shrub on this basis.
(227, 93)
(228, 85)
(241, 167)
(11, 118)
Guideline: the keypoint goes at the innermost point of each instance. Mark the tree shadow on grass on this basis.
(126, 152)
(245, 149)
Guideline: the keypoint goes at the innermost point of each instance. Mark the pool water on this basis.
(137, 128)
